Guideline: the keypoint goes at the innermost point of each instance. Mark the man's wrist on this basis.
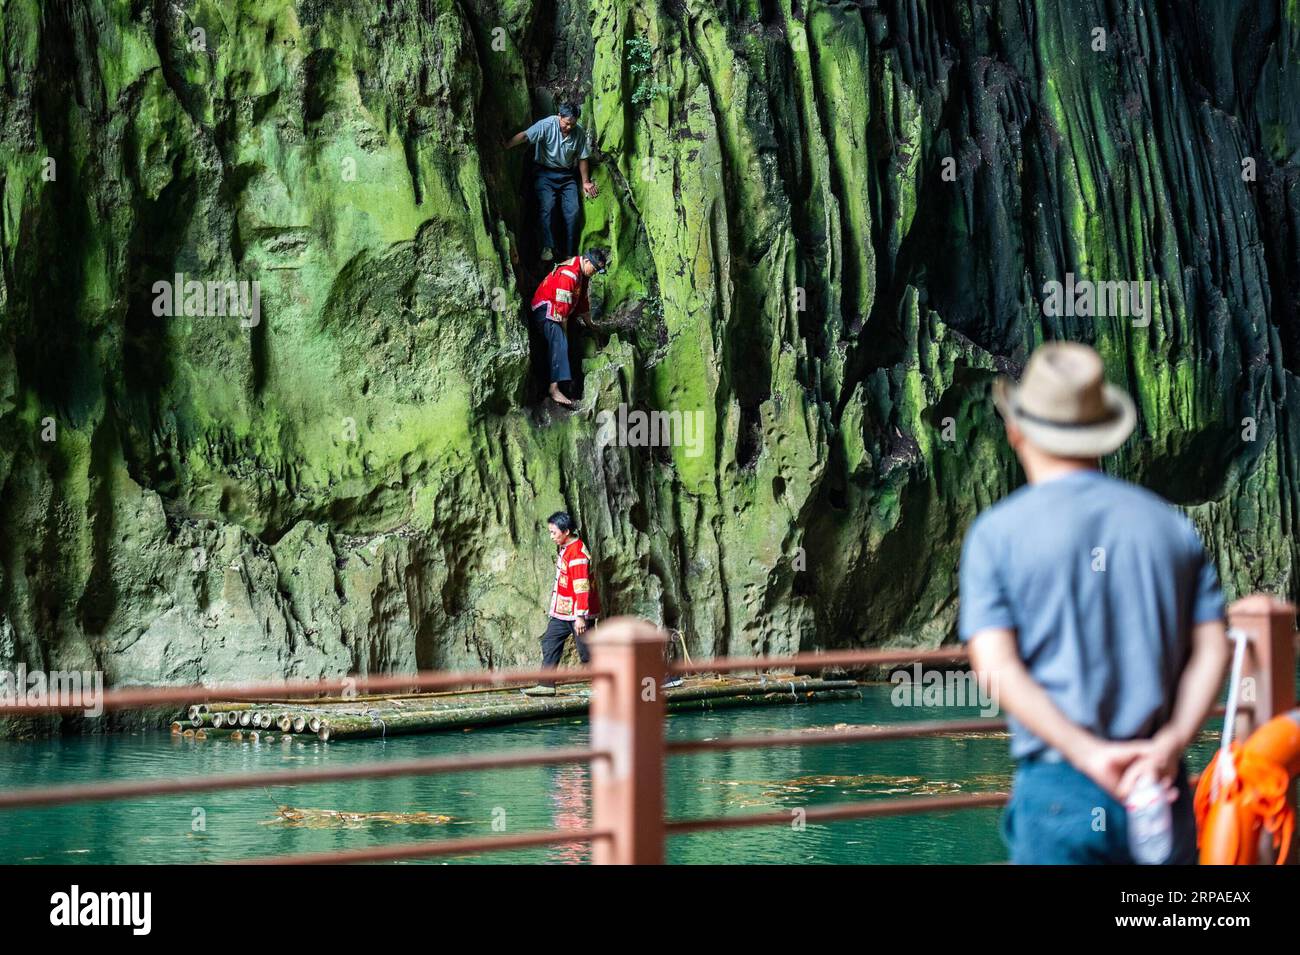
(1077, 744)
(1172, 736)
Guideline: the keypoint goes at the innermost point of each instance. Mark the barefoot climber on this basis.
(561, 296)
(574, 605)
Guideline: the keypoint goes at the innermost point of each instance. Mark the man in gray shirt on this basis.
(1091, 607)
(560, 152)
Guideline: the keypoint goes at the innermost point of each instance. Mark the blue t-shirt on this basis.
(551, 148)
(1102, 582)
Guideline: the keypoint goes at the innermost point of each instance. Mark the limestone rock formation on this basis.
(832, 225)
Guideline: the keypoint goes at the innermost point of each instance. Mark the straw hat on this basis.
(1063, 404)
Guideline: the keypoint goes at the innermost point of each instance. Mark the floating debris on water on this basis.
(958, 734)
(336, 818)
(874, 784)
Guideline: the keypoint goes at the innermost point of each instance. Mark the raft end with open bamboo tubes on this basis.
(401, 714)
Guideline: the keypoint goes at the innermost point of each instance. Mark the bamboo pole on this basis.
(272, 713)
(400, 723)
(201, 708)
(353, 718)
(305, 718)
(310, 702)
(419, 699)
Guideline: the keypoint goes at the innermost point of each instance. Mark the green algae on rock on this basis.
(831, 223)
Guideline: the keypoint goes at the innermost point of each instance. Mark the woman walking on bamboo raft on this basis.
(574, 606)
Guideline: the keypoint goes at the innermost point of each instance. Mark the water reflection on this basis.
(570, 799)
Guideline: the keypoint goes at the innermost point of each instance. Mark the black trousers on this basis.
(557, 345)
(557, 632)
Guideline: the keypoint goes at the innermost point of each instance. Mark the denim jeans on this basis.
(563, 183)
(1058, 816)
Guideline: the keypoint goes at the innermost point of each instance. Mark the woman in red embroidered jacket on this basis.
(574, 606)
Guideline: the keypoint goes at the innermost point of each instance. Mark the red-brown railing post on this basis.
(627, 721)
(1270, 659)
(1269, 624)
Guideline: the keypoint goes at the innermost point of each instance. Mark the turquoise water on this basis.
(212, 827)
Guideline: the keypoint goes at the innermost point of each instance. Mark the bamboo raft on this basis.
(368, 717)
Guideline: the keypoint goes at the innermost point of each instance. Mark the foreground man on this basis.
(574, 607)
(1091, 607)
(560, 152)
(562, 296)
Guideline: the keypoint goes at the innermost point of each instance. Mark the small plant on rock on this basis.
(639, 65)
(654, 307)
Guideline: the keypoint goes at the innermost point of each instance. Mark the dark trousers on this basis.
(557, 344)
(561, 183)
(557, 632)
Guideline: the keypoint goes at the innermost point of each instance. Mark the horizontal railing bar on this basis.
(842, 811)
(826, 737)
(140, 697)
(95, 792)
(813, 661)
(424, 850)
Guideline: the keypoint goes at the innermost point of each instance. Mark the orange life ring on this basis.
(1231, 813)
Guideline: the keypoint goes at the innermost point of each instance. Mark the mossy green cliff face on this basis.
(831, 226)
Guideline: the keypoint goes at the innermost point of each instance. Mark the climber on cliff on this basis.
(1091, 607)
(560, 152)
(561, 296)
(574, 606)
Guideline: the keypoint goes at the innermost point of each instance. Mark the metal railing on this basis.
(628, 748)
